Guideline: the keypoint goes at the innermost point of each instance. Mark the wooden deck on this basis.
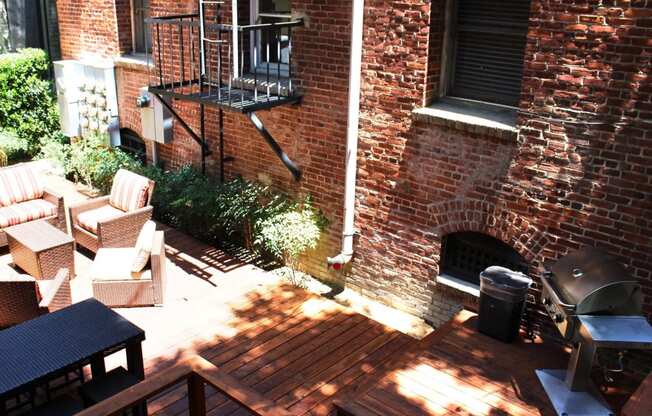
(306, 352)
(458, 371)
(292, 347)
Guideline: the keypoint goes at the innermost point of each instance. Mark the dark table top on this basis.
(38, 349)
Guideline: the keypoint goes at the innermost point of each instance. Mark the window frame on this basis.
(449, 58)
(134, 23)
(254, 16)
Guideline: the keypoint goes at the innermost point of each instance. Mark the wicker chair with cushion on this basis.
(22, 297)
(114, 220)
(133, 276)
(24, 198)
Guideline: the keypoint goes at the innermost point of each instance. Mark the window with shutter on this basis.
(487, 41)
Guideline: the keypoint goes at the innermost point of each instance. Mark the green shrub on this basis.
(56, 149)
(95, 163)
(229, 214)
(27, 103)
(15, 147)
(208, 210)
(289, 234)
(242, 204)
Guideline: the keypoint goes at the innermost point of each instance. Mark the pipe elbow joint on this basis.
(338, 262)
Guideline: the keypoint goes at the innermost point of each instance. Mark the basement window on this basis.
(465, 255)
(484, 48)
(131, 143)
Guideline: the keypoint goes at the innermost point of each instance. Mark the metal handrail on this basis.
(274, 25)
(180, 20)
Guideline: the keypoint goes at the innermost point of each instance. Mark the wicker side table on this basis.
(41, 249)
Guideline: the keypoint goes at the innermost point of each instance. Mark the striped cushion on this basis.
(19, 184)
(26, 211)
(88, 220)
(129, 191)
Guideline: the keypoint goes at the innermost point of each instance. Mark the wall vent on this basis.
(465, 254)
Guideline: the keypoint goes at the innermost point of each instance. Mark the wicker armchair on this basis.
(112, 226)
(22, 297)
(24, 198)
(58, 220)
(114, 284)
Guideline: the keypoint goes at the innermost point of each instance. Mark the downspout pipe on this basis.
(235, 41)
(351, 161)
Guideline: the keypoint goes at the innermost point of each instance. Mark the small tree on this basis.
(289, 234)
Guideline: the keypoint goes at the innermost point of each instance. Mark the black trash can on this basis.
(502, 300)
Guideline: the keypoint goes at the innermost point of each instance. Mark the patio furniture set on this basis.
(129, 265)
(128, 270)
(41, 350)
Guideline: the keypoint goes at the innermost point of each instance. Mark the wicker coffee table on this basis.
(41, 249)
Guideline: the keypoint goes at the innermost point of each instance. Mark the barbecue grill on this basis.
(595, 303)
(588, 282)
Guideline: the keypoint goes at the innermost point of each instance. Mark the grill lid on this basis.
(595, 283)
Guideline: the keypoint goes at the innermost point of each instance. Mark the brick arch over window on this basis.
(483, 217)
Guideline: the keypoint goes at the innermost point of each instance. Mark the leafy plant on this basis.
(242, 204)
(15, 147)
(289, 234)
(56, 149)
(95, 163)
(231, 214)
(27, 104)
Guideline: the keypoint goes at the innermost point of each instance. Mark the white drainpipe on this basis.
(355, 76)
(236, 39)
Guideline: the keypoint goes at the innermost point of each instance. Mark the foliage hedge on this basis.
(27, 104)
(235, 213)
(15, 147)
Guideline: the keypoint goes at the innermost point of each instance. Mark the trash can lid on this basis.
(505, 278)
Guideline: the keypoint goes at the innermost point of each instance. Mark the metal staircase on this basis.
(236, 68)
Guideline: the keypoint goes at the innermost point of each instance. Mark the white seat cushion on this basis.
(115, 264)
(88, 220)
(144, 246)
(22, 212)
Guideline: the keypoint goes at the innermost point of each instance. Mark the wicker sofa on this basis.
(114, 220)
(22, 297)
(116, 284)
(24, 198)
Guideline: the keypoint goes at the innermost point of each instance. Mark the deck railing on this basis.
(196, 372)
(231, 66)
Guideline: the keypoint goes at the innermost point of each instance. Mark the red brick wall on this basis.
(435, 49)
(88, 28)
(130, 79)
(578, 173)
(123, 22)
(312, 133)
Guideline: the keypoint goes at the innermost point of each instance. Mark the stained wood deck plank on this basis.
(265, 372)
(317, 399)
(463, 372)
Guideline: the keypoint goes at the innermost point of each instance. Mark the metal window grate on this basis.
(464, 255)
(490, 37)
(131, 143)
